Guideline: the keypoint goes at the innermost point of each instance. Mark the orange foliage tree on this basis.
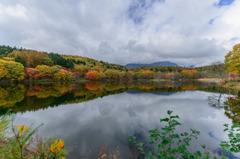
(189, 74)
(93, 75)
(169, 75)
(148, 74)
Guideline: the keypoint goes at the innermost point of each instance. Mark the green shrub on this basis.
(234, 139)
(168, 144)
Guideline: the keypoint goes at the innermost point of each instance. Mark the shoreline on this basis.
(209, 79)
(235, 86)
(83, 80)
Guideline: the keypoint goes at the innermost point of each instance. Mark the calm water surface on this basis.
(88, 115)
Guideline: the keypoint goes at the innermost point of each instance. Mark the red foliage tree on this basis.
(37, 76)
(32, 72)
(93, 75)
(233, 76)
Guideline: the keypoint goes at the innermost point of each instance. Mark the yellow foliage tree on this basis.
(63, 75)
(3, 73)
(232, 60)
(55, 69)
(112, 74)
(11, 70)
(45, 71)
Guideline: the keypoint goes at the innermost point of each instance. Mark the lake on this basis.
(87, 115)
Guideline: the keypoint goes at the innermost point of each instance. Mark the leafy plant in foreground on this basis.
(234, 139)
(169, 144)
(4, 125)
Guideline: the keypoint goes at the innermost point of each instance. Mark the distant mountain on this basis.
(191, 66)
(160, 63)
(188, 66)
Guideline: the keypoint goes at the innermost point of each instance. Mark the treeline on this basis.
(5, 50)
(215, 70)
(20, 64)
(230, 69)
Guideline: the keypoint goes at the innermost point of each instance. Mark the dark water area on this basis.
(90, 114)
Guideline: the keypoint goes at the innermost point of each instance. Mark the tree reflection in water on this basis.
(232, 108)
(21, 98)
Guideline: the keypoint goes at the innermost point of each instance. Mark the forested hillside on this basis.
(22, 64)
(215, 70)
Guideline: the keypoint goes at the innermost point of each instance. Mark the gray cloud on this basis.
(123, 31)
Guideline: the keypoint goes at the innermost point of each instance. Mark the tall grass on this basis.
(22, 142)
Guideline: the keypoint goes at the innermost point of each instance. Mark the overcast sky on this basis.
(124, 31)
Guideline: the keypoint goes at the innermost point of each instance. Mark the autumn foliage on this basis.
(93, 75)
(19, 64)
(148, 74)
(63, 75)
(112, 74)
(169, 75)
(233, 76)
(189, 74)
(32, 73)
(29, 58)
(232, 60)
(11, 70)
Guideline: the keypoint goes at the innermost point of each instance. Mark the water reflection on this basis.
(9, 96)
(232, 108)
(118, 111)
(23, 98)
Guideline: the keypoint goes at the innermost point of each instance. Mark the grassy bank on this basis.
(209, 79)
(231, 85)
(161, 80)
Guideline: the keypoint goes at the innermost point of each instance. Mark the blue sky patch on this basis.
(224, 2)
(139, 8)
(211, 21)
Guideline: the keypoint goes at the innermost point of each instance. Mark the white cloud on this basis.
(17, 11)
(226, 27)
(187, 32)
